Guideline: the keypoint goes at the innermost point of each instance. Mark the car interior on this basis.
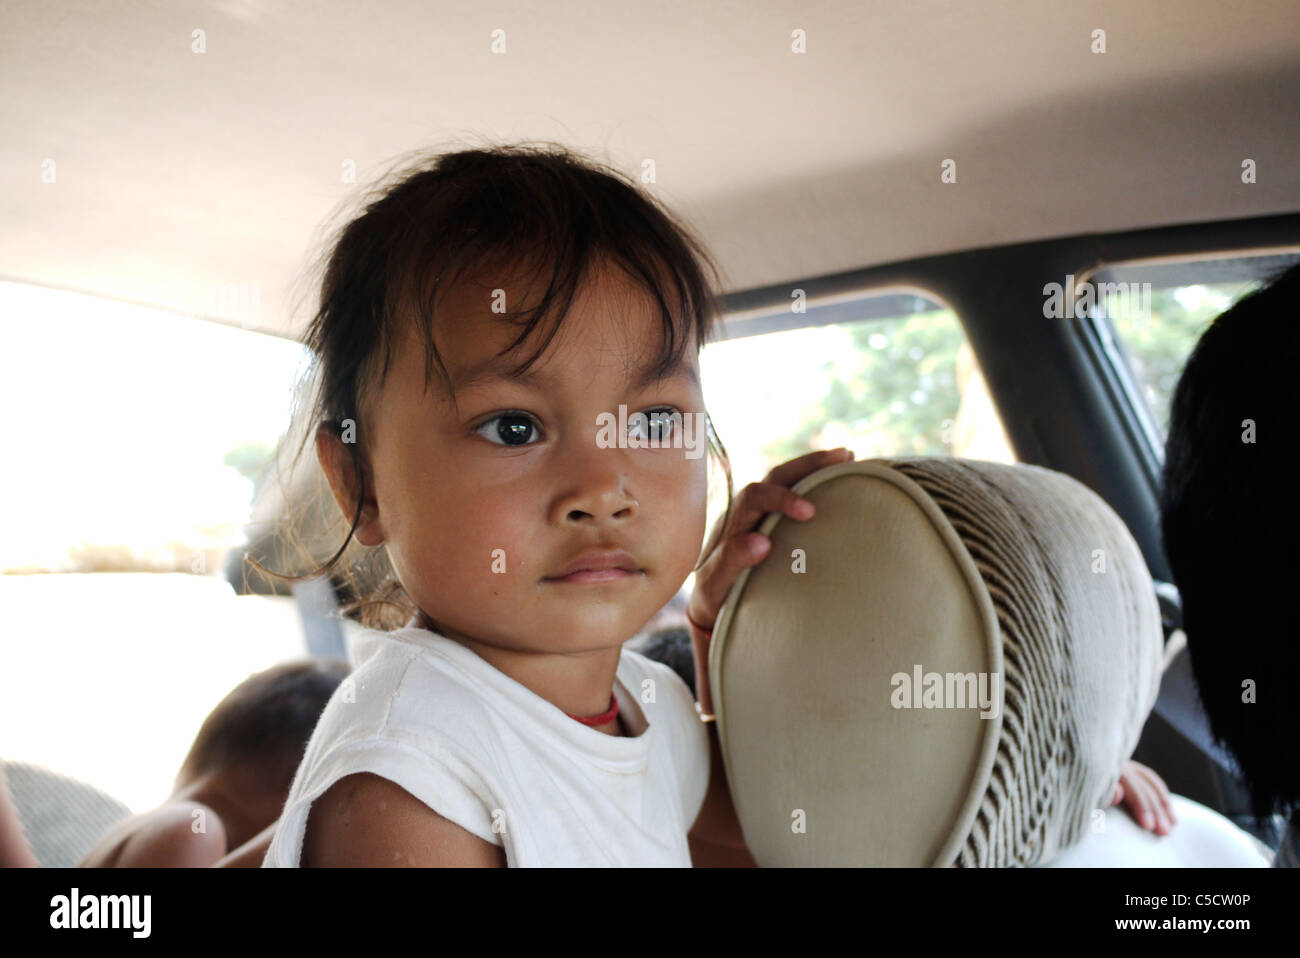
(973, 242)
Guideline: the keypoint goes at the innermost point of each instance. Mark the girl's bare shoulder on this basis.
(367, 821)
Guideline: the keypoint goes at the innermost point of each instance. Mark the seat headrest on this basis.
(947, 665)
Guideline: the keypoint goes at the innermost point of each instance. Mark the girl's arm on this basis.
(715, 839)
(367, 821)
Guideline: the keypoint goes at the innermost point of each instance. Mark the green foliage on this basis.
(894, 390)
(249, 459)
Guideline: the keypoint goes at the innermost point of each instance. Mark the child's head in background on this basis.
(251, 743)
(476, 323)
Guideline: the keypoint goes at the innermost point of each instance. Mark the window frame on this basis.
(844, 307)
(1101, 343)
(834, 309)
(1047, 391)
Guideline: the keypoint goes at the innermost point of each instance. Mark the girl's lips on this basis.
(597, 575)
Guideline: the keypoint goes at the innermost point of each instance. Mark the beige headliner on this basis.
(179, 172)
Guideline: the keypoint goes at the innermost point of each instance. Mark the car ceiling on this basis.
(179, 172)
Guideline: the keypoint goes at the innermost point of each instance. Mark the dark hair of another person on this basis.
(672, 647)
(265, 722)
(1232, 533)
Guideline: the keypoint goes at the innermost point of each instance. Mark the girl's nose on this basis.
(596, 500)
(623, 508)
(594, 486)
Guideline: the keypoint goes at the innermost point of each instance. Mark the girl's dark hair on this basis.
(1230, 535)
(537, 207)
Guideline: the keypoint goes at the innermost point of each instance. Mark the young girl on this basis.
(505, 724)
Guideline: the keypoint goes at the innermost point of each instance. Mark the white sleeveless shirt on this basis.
(502, 762)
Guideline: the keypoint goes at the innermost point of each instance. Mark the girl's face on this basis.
(482, 507)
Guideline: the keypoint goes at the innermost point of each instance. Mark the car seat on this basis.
(947, 665)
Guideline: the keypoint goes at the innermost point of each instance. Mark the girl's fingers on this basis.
(758, 499)
(773, 494)
(732, 557)
(740, 547)
(788, 473)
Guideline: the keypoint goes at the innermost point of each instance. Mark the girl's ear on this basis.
(337, 463)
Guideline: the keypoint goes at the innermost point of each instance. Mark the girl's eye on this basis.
(654, 425)
(509, 429)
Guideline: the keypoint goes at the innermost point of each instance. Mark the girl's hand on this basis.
(1146, 796)
(739, 547)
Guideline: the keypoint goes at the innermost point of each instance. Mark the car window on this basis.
(137, 441)
(1159, 311)
(151, 431)
(893, 375)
